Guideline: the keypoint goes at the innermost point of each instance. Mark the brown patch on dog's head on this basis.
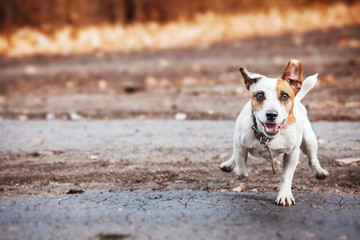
(293, 74)
(257, 104)
(283, 89)
(286, 97)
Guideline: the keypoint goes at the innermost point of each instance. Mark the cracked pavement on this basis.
(160, 180)
(179, 215)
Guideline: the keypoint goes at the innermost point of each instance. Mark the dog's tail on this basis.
(307, 85)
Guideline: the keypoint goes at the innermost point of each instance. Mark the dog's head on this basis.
(272, 99)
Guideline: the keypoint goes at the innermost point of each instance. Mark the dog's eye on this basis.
(284, 97)
(260, 96)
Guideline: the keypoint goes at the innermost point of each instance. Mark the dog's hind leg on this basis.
(309, 146)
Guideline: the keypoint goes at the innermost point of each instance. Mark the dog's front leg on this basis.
(240, 157)
(237, 162)
(290, 162)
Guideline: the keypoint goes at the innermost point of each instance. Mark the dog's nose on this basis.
(271, 115)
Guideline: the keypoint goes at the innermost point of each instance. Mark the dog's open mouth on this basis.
(272, 129)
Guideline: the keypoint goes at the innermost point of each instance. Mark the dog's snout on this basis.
(271, 115)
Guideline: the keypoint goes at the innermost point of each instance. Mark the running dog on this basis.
(275, 122)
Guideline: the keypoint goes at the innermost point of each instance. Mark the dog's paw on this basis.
(241, 173)
(321, 174)
(227, 166)
(285, 199)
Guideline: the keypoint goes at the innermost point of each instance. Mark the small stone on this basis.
(45, 153)
(75, 116)
(240, 188)
(151, 81)
(210, 112)
(93, 157)
(23, 117)
(180, 116)
(346, 161)
(50, 116)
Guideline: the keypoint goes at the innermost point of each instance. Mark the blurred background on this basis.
(142, 59)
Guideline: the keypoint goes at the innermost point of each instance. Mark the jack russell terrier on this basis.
(274, 122)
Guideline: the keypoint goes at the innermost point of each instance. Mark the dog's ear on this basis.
(249, 78)
(293, 74)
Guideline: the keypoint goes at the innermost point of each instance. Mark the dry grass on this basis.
(205, 29)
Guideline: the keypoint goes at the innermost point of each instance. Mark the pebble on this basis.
(93, 157)
(75, 116)
(240, 188)
(180, 116)
(50, 116)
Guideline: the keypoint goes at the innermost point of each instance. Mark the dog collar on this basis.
(259, 136)
(264, 140)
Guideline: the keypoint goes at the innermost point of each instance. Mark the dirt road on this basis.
(52, 157)
(132, 177)
(203, 81)
(160, 179)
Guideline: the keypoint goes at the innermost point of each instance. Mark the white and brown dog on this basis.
(274, 122)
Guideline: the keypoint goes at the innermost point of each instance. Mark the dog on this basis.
(274, 122)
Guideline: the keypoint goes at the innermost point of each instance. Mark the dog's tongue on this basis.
(272, 128)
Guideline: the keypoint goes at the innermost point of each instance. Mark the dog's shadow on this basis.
(263, 198)
(256, 200)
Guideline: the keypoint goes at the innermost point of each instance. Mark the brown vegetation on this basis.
(67, 27)
(50, 15)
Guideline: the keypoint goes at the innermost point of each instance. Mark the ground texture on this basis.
(160, 179)
(97, 153)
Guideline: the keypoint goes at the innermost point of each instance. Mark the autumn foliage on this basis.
(30, 27)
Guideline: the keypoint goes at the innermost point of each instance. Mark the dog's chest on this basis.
(277, 147)
(261, 151)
